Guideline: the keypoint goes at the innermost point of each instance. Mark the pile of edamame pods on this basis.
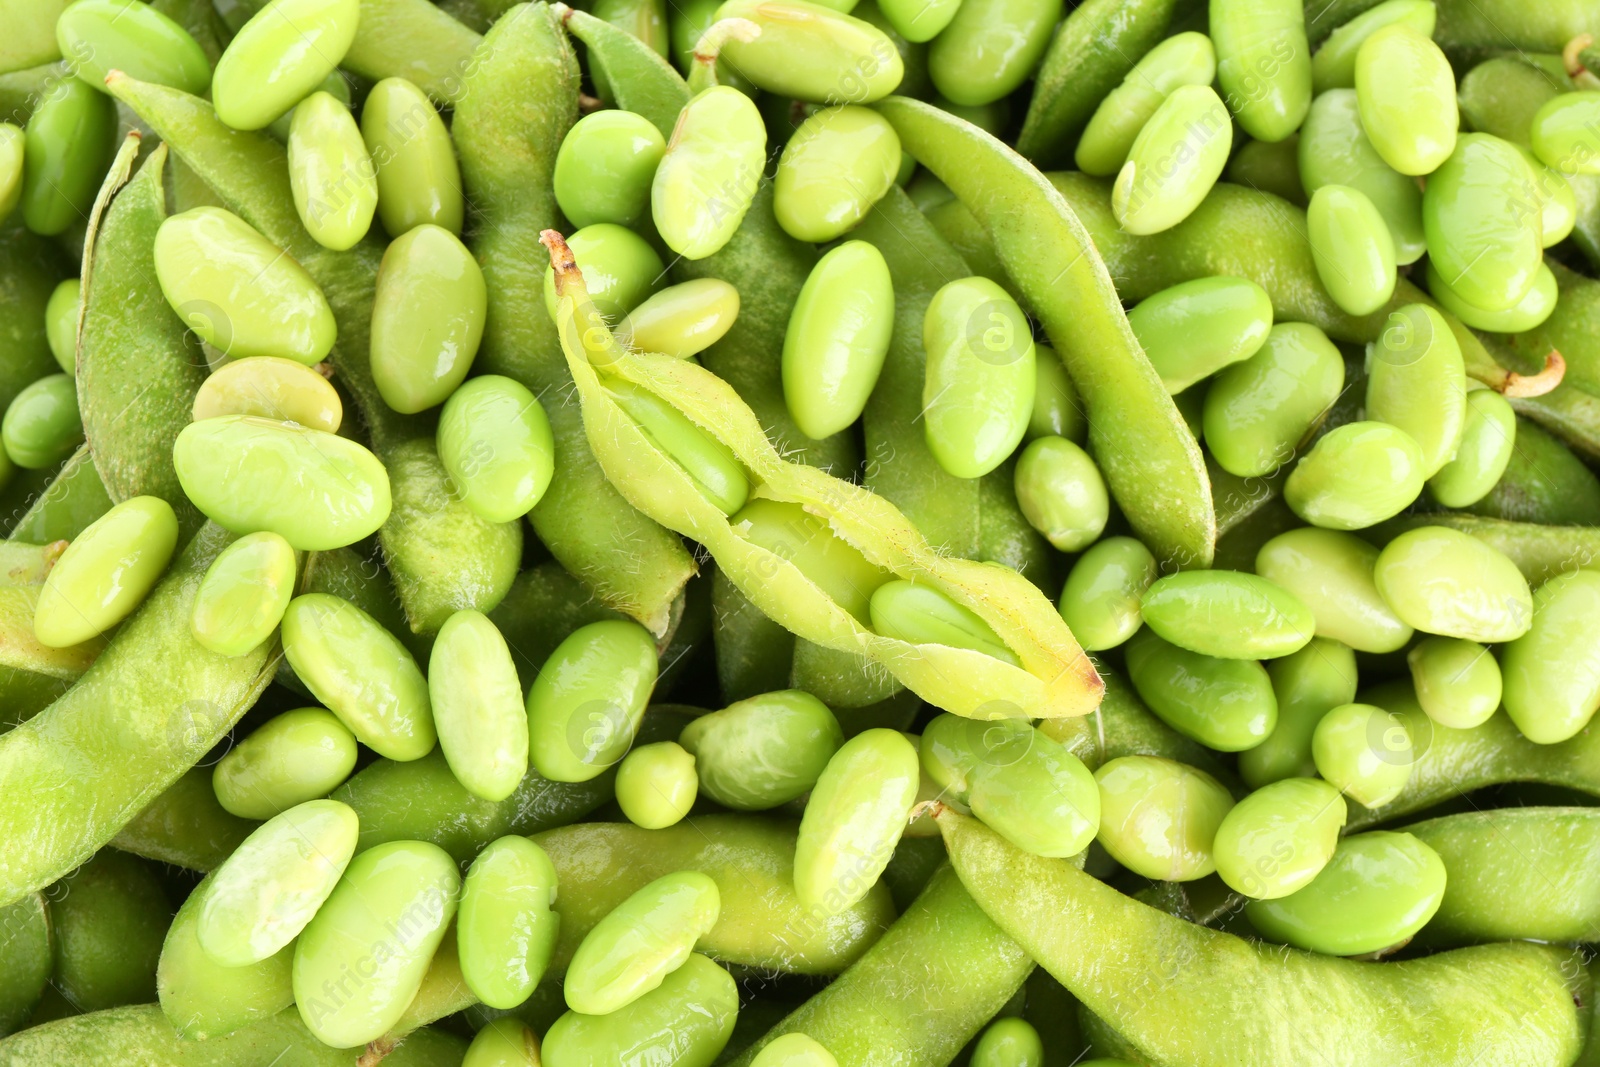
(855, 533)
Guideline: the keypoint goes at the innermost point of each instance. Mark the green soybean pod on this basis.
(1028, 788)
(681, 320)
(106, 572)
(619, 267)
(250, 474)
(709, 464)
(605, 167)
(1376, 893)
(685, 1021)
(1269, 168)
(13, 152)
(1225, 704)
(763, 751)
(503, 1042)
(506, 928)
(1259, 410)
(977, 391)
(811, 53)
(1365, 751)
(707, 179)
(279, 57)
(26, 952)
(585, 706)
(1010, 1042)
(1196, 328)
(240, 293)
(244, 594)
(477, 706)
(990, 48)
(837, 338)
(1263, 64)
(202, 999)
(657, 785)
(854, 818)
(1061, 493)
(1352, 249)
(794, 1050)
(1488, 438)
(270, 387)
(407, 886)
(1416, 380)
(334, 183)
(61, 319)
(1356, 476)
(1307, 684)
(1532, 310)
(1278, 838)
(645, 938)
(1458, 682)
(1176, 159)
(1100, 600)
(1482, 238)
(1407, 95)
(108, 918)
(1563, 134)
(268, 890)
(1331, 572)
(361, 672)
(1552, 673)
(836, 166)
(1182, 59)
(1227, 614)
(419, 180)
(833, 564)
(1335, 150)
(1334, 64)
(43, 425)
(495, 441)
(923, 615)
(99, 36)
(1159, 817)
(427, 318)
(291, 758)
(67, 145)
(1445, 582)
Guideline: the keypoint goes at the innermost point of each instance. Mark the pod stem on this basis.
(931, 808)
(569, 280)
(374, 1053)
(1580, 59)
(1528, 385)
(703, 74)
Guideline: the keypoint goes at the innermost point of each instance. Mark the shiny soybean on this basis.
(1061, 493)
(1331, 572)
(1536, 305)
(244, 594)
(619, 267)
(279, 57)
(477, 706)
(794, 1050)
(1552, 672)
(1174, 162)
(1227, 614)
(854, 819)
(506, 927)
(585, 706)
(1352, 248)
(1407, 95)
(99, 36)
(61, 319)
(1458, 682)
(1334, 150)
(838, 164)
(1482, 239)
(1009, 1042)
(13, 152)
(712, 468)
(1259, 410)
(1278, 838)
(1263, 64)
(106, 572)
(1417, 381)
(1225, 704)
(990, 48)
(1365, 751)
(921, 614)
(604, 169)
(334, 183)
(1445, 582)
(67, 145)
(1563, 134)
(291, 758)
(1182, 59)
(657, 785)
(1488, 439)
(270, 387)
(419, 180)
(42, 425)
(763, 751)
(1159, 818)
(686, 1021)
(1334, 64)
(1356, 476)
(645, 938)
(978, 384)
(1100, 601)
(837, 338)
(707, 179)
(681, 320)
(1197, 328)
(806, 541)
(495, 441)
(427, 318)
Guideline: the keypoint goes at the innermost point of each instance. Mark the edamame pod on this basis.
(809, 52)
(923, 615)
(1258, 411)
(1458, 682)
(1356, 476)
(418, 178)
(990, 48)
(1227, 614)
(318, 490)
(1226, 704)
(1445, 582)
(604, 169)
(361, 672)
(289, 759)
(1364, 750)
(268, 890)
(427, 318)
(334, 182)
(1488, 439)
(28, 954)
(382, 923)
(1278, 838)
(68, 143)
(1563, 134)
(477, 706)
(1159, 817)
(506, 928)
(642, 941)
(106, 572)
(1416, 381)
(1182, 59)
(61, 322)
(494, 439)
(1407, 95)
(682, 320)
(43, 425)
(108, 917)
(1263, 64)
(1331, 572)
(1552, 672)
(1376, 892)
(657, 784)
(1061, 493)
(244, 594)
(806, 541)
(686, 1021)
(243, 295)
(977, 392)
(763, 751)
(707, 179)
(100, 36)
(1176, 159)
(854, 819)
(270, 387)
(838, 336)
(282, 54)
(1352, 248)
(584, 708)
(1482, 238)
(836, 166)
(1334, 150)
(1333, 66)
(1101, 598)
(1192, 330)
